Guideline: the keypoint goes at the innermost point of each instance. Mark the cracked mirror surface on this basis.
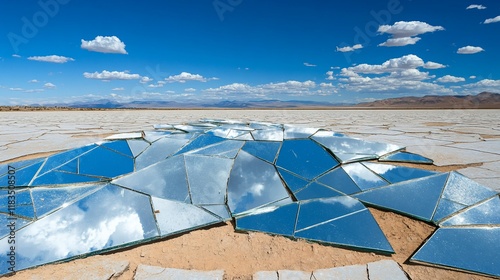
(299, 182)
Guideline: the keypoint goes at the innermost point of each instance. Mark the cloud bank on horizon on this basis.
(62, 51)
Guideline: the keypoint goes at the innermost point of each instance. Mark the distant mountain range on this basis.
(484, 100)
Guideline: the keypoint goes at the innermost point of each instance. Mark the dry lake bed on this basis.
(467, 141)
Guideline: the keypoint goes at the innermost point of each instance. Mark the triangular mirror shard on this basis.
(105, 163)
(159, 150)
(137, 146)
(242, 136)
(177, 217)
(272, 219)
(58, 178)
(347, 145)
(364, 178)
(253, 183)
(472, 249)
(109, 218)
(207, 178)
(460, 191)
(297, 132)
(200, 142)
(22, 177)
(219, 148)
(485, 213)
(220, 211)
(396, 174)
(165, 179)
(347, 158)
(465, 191)
(305, 158)
(406, 157)
(417, 198)
(50, 199)
(315, 190)
(292, 182)
(120, 146)
(123, 136)
(4, 168)
(359, 230)
(317, 211)
(263, 149)
(61, 158)
(340, 181)
(446, 208)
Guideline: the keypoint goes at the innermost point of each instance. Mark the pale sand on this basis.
(242, 254)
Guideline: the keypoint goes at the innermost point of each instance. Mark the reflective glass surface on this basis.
(474, 249)
(359, 230)
(417, 198)
(315, 190)
(166, 179)
(318, 211)
(363, 177)
(293, 182)
(263, 149)
(396, 174)
(105, 163)
(340, 181)
(347, 158)
(346, 145)
(485, 213)
(120, 146)
(253, 183)
(406, 157)
(207, 187)
(274, 220)
(305, 158)
(221, 211)
(297, 132)
(176, 217)
(273, 178)
(22, 176)
(463, 190)
(159, 150)
(110, 217)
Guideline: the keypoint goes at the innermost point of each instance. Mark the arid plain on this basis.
(467, 141)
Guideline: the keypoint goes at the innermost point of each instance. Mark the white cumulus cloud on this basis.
(49, 85)
(450, 79)
(350, 49)
(185, 76)
(51, 58)
(403, 29)
(469, 50)
(492, 20)
(410, 61)
(403, 32)
(111, 75)
(433, 65)
(474, 6)
(105, 44)
(399, 42)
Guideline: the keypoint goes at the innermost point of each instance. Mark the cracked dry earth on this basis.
(467, 141)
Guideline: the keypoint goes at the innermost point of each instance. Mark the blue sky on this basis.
(61, 51)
